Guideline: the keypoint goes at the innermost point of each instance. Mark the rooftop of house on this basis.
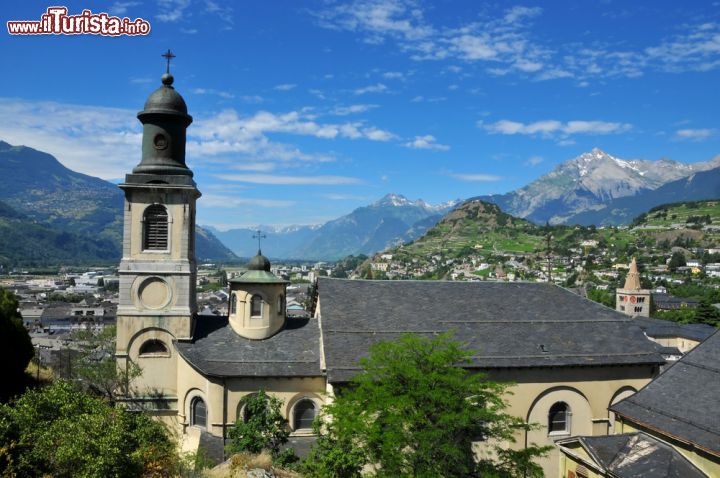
(635, 454)
(216, 350)
(508, 324)
(683, 401)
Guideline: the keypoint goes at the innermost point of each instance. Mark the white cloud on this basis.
(376, 88)
(426, 142)
(211, 91)
(352, 109)
(376, 134)
(229, 202)
(285, 87)
(695, 134)
(273, 179)
(549, 128)
(472, 177)
(77, 135)
(393, 75)
(534, 160)
(508, 45)
(121, 8)
(171, 10)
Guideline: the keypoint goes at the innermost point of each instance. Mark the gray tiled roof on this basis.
(509, 324)
(216, 350)
(667, 328)
(638, 454)
(683, 401)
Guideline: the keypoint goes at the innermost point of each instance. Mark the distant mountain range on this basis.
(392, 220)
(39, 197)
(590, 182)
(54, 214)
(697, 186)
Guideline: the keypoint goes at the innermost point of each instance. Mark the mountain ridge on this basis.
(587, 182)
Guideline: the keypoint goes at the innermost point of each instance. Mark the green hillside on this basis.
(690, 214)
(478, 225)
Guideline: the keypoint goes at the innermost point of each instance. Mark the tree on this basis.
(261, 427)
(61, 431)
(16, 349)
(95, 367)
(706, 313)
(677, 260)
(415, 410)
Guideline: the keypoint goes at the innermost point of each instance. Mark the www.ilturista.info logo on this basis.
(56, 21)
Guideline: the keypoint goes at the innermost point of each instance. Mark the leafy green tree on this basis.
(415, 410)
(677, 260)
(603, 297)
(94, 367)
(261, 427)
(16, 349)
(62, 432)
(706, 313)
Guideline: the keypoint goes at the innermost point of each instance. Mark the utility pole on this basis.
(549, 261)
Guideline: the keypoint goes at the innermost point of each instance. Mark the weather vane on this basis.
(168, 56)
(259, 235)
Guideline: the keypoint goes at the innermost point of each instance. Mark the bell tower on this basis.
(157, 301)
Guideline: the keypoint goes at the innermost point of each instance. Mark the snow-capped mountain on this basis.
(391, 220)
(588, 182)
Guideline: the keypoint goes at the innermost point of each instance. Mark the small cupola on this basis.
(257, 301)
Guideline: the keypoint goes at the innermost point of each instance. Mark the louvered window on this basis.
(155, 237)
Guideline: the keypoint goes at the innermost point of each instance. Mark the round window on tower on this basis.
(160, 141)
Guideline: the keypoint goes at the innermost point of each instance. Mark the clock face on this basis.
(160, 141)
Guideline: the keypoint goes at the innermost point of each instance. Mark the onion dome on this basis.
(258, 272)
(259, 263)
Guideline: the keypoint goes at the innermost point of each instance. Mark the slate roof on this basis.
(682, 402)
(667, 328)
(509, 324)
(634, 455)
(216, 350)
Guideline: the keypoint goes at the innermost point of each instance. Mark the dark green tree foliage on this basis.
(706, 313)
(414, 411)
(677, 260)
(16, 349)
(261, 426)
(62, 432)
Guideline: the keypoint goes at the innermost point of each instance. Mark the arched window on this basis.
(559, 418)
(243, 411)
(256, 306)
(154, 347)
(155, 228)
(281, 304)
(304, 414)
(198, 413)
(233, 304)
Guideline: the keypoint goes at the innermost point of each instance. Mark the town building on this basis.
(632, 299)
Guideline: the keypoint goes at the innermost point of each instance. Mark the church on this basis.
(569, 359)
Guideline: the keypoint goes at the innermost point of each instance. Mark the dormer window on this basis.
(256, 306)
(155, 228)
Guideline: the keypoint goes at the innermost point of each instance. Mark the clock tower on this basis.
(157, 303)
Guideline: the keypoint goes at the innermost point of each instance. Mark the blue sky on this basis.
(305, 110)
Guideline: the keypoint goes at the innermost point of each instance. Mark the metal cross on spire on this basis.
(259, 235)
(168, 56)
